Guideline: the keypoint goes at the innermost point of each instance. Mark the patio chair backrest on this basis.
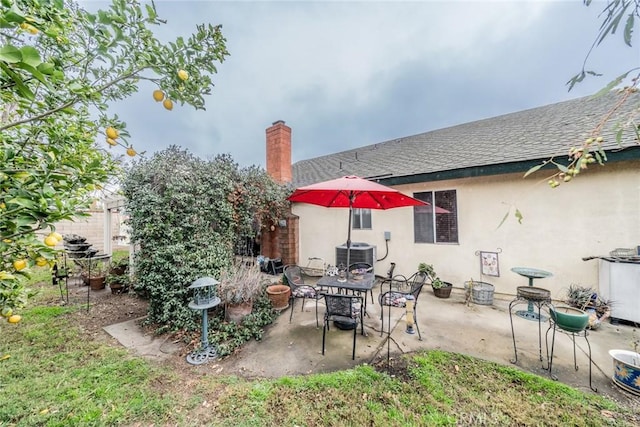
(417, 282)
(341, 305)
(293, 273)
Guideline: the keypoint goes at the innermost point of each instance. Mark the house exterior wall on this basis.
(590, 216)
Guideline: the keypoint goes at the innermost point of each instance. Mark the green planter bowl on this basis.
(570, 319)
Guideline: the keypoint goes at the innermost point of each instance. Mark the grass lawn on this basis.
(56, 375)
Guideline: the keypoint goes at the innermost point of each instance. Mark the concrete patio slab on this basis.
(482, 331)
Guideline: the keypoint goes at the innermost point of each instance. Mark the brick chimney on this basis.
(279, 152)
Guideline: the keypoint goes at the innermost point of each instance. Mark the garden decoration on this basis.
(529, 295)
(530, 273)
(204, 298)
(626, 370)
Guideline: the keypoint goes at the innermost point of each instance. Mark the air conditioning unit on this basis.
(360, 252)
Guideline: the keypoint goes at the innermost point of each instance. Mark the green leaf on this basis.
(34, 72)
(10, 54)
(46, 68)
(534, 169)
(519, 216)
(151, 11)
(24, 202)
(23, 90)
(562, 168)
(613, 83)
(504, 218)
(14, 15)
(30, 56)
(628, 29)
(619, 137)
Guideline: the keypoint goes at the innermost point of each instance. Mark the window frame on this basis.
(359, 215)
(434, 224)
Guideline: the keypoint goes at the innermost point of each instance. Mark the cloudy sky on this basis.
(348, 74)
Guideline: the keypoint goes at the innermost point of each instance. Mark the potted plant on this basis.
(441, 289)
(97, 279)
(626, 366)
(238, 287)
(120, 266)
(118, 283)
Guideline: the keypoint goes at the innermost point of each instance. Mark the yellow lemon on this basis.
(41, 261)
(168, 104)
(131, 152)
(183, 75)
(111, 142)
(2, 205)
(15, 318)
(7, 312)
(112, 133)
(57, 236)
(50, 240)
(19, 264)
(158, 95)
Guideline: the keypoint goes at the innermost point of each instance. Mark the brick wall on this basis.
(289, 241)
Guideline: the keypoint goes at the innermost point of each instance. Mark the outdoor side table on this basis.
(530, 273)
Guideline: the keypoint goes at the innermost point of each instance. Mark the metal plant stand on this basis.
(530, 273)
(531, 296)
(573, 335)
(204, 298)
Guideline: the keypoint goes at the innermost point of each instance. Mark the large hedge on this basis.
(185, 215)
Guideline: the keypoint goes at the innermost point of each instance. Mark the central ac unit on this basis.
(360, 252)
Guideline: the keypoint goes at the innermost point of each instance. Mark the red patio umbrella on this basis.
(354, 192)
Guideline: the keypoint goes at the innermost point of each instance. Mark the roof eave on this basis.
(628, 153)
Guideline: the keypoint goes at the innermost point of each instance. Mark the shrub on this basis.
(185, 214)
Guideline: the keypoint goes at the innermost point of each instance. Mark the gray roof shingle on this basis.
(537, 133)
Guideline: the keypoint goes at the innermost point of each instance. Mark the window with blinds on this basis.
(440, 227)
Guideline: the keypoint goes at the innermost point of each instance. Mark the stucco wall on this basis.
(592, 215)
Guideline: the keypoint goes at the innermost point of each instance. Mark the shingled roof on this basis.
(509, 143)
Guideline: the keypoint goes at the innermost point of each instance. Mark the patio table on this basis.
(355, 284)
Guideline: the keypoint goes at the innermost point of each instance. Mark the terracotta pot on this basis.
(237, 312)
(279, 296)
(97, 283)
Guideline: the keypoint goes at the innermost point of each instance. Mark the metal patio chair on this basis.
(346, 309)
(401, 287)
(363, 267)
(299, 289)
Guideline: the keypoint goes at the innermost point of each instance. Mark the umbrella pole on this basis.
(351, 197)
